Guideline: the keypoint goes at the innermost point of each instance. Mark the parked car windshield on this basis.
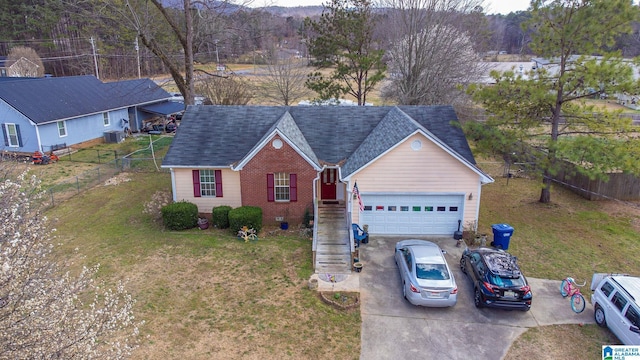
(506, 282)
(432, 272)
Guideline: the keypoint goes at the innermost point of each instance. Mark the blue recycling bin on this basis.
(501, 235)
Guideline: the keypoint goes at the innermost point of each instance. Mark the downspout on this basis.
(173, 184)
(478, 206)
(38, 138)
(314, 244)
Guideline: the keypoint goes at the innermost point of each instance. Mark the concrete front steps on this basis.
(333, 251)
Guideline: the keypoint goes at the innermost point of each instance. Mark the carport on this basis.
(163, 110)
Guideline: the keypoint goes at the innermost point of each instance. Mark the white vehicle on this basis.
(615, 303)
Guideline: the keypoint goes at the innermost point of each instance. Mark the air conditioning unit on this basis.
(113, 136)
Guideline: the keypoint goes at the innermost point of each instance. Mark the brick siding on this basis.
(253, 180)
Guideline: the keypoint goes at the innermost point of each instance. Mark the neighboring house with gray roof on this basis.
(22, 67)
(43, 114)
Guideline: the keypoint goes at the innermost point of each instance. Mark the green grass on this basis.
(160, 146)
(89, 166)
(561, 342)
(568, 237)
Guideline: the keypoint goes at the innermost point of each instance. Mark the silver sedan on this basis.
(426, 277)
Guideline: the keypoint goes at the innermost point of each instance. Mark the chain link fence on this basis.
(99, 175)
(110, 165)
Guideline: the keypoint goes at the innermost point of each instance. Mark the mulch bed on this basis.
(341, 300)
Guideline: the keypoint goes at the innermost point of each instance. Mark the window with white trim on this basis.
(12, 135)
(207, 183)
(281, 186)
(105, 119)
(62, 128)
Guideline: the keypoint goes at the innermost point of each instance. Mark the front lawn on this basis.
(205, 294)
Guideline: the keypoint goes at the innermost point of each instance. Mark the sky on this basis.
(505, 6)
(493, 6)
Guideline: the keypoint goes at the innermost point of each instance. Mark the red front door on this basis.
(328, 186)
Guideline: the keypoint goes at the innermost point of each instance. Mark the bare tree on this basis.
(431, 53)
(24, 62)
(231, 90)
(162, 23)
(46, 313)
(285, 78)
(498, 28)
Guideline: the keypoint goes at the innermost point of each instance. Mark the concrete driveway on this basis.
(394, 329)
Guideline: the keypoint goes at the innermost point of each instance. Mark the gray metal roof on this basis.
(164, 108)
(49, 99)
(222, 136)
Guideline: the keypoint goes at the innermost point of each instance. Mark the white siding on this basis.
(427, 171)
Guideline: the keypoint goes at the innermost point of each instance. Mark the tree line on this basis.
(60, 31)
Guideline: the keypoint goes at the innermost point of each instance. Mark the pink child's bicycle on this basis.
(569, 287)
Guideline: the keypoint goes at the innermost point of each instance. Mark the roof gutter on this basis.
(101, 111)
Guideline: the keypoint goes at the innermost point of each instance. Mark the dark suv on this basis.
(497, 280)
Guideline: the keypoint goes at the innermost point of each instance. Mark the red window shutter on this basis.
(270, 191)
(196, 183)
(293, 187)
(218, 180)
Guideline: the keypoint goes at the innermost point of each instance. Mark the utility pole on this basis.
(95, 58)
(138, 56)
(217, 57)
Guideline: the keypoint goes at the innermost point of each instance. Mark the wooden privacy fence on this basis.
(619, 186)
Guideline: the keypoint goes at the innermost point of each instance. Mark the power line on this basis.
(52, 58)
(42, 40)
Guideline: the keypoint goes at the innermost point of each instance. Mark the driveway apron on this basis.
(394, 329)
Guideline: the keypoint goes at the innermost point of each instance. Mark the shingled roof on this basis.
(59, 98)
(223, 136)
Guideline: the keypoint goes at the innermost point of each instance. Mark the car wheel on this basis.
(599, 316)
(463, 265)
(477, 298)
(404, 291)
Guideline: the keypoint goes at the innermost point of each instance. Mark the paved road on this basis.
(394, 329)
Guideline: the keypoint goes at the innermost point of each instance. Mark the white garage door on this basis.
(412, 214)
